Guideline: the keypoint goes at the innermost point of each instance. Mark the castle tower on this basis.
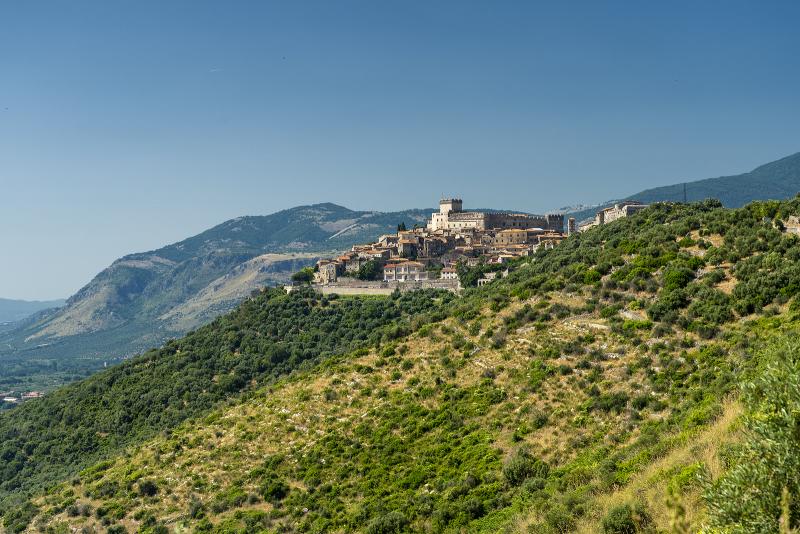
(450, 205)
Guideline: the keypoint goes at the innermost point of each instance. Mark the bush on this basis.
(274, 490)
(17, 519)
(522, 466)
(148, 488)
(627, 519)
(747, 498)
(591, 276)
(225, 500)
(388, 524)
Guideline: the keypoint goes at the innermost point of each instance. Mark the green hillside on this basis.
(144, 299)
(595, 389)
(773, 181)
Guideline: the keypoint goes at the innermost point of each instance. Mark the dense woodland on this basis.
(637, 378)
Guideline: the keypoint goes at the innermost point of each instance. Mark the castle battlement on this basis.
(451, 216)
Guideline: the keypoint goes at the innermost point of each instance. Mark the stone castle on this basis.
(451, 216)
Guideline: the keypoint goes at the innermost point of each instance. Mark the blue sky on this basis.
(128, 125)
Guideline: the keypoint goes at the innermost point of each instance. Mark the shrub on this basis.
(196, 509)
(559, 519)
(17, 519)
(523, 465)
(388, 524)
(611, 402)
(591, 276)
(626, 519)
(225, 500)
(274, 490)
(747, 498)
(148, 488)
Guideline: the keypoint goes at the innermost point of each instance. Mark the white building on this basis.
(405, 271)
(449, 273)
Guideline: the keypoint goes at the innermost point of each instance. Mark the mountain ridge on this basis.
(144, 298)
(776, 180)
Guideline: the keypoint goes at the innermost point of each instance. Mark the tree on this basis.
(371, 270)
(763, 473)
(401, 227)
(304, 275)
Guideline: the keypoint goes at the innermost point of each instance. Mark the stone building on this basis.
(612, 213)
(435, 246)
(327, 272)
(618, 211)
(408, 248)
(518, 236)
(451, 216)
(404, 271)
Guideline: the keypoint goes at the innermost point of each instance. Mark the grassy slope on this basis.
(266, 337)
(419, 433)
(351, 429)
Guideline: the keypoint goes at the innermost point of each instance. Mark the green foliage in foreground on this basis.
(690, 351)
(266, 337)
(748, 497)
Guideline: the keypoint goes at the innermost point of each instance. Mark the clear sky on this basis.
(127, 125)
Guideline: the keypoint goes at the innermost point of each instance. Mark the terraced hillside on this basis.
(595, 389)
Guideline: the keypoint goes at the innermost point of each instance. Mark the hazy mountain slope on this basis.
(143, 299)
(576, 394)
(228, 290)
(16, 310)
(773, 181)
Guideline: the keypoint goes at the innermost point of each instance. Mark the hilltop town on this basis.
(430, 256)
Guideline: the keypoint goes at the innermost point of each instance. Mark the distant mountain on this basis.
(16, 310)
(143, 299)
(773, 181)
